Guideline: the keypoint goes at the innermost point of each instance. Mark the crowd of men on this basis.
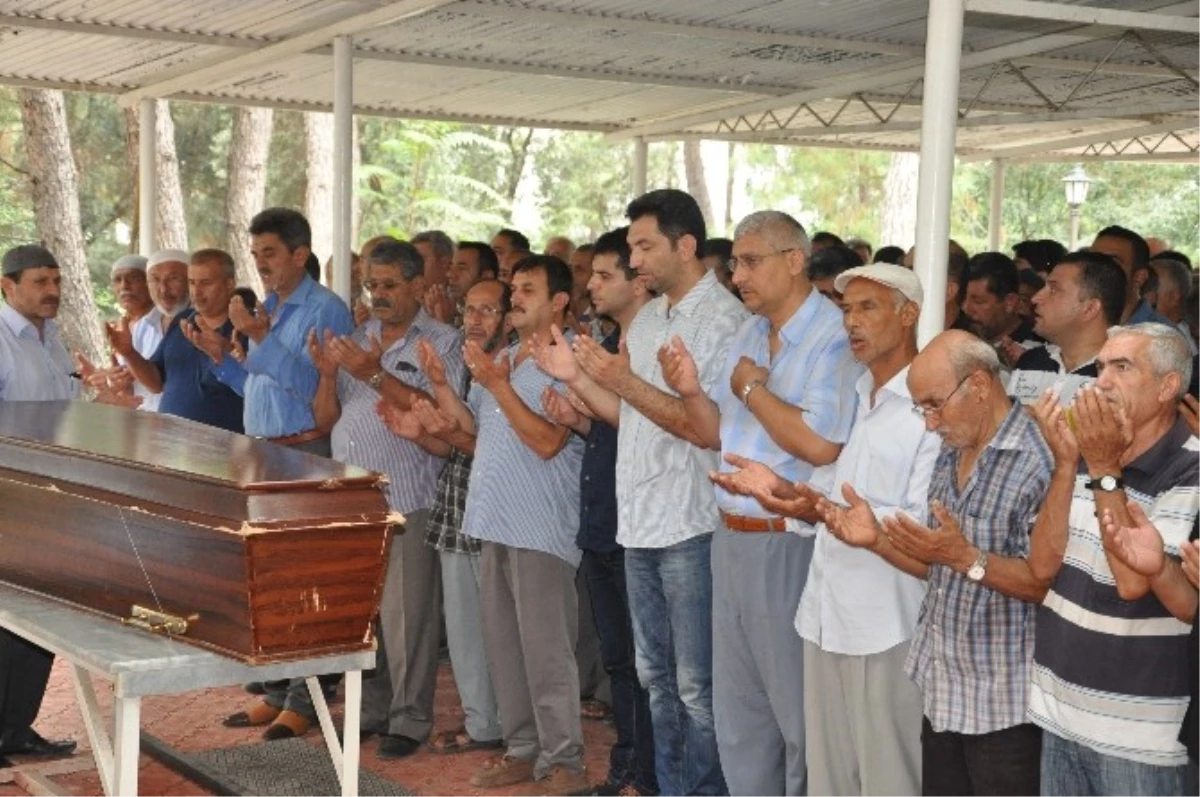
(806, 555)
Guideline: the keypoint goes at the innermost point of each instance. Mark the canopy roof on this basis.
(1040, 80)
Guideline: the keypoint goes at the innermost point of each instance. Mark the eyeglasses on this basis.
(752, 261)
(926, 412)
(483, 312)
(381, 285)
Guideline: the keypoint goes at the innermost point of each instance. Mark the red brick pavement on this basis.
(192, 721)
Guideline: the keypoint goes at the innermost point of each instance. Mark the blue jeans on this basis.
(670, 597)
(631, 761)
(1070, 768)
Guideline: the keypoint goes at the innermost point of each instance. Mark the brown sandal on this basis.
(459, 741)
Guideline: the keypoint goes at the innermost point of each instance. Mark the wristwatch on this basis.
(377, 380)
(749, 388)
(977, 570)
(1106, 484)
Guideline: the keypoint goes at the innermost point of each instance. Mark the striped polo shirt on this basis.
(1112, 674)
(360, 437)
(515, 497)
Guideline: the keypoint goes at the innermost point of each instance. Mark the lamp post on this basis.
(1076, 184)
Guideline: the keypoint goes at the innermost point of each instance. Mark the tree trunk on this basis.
(900, 201)
(55, 189)
(131, 162)
(693, 165)
(172, 223)
(318, 192)
(248, 150)
(518, 141)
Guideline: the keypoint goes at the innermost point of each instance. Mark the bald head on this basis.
(955, 380)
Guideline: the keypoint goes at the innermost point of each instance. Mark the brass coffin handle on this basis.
(156, 622)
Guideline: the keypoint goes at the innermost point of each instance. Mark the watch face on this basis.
(975, 573)
(1108, 483)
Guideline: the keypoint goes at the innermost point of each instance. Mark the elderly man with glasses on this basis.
(972, 651)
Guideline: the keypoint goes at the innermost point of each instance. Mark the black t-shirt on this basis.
(1038, 359)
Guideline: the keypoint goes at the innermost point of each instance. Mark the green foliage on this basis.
(583, 185)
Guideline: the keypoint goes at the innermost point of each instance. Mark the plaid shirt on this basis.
(443, 529)
(973, 649)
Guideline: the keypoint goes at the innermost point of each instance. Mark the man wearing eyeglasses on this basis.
(785, 398)
(858, 614)
(361, 375)
(972, 651)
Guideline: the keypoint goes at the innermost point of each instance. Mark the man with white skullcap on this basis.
(166, 272)
(138, 312)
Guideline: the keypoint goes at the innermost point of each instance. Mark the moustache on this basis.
(380, 304)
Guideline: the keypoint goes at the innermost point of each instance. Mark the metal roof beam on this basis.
(1083, 140)
(1087, 15)
(227, 67)
(1067, 157)
(866, 80)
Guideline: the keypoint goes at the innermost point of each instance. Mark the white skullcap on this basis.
(129, 263)
(168, 256)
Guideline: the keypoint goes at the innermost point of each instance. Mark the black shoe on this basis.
(397, 746)
(36, 745)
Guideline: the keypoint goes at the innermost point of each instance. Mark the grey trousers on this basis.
(593, 680)
(398, 700)
(758, 673)
(530, 615)
(863, 726)
(464, 638)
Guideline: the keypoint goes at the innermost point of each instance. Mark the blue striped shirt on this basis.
(278, 379)
(973, 649)
(33, 368)
(1111, 674)
(516, 498)
(812, 369)
(360, 437)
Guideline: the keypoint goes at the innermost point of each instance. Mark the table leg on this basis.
(93, 723)
(350, 733)
(127, 713)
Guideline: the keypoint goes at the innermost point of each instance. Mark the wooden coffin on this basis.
(265, 553)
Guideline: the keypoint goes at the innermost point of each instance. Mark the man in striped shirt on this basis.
(973, 644)
(379, 361)
(1110, 679)
(523, 503)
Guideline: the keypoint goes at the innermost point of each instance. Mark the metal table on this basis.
(140, 664)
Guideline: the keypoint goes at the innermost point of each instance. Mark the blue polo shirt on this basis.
(191, 388)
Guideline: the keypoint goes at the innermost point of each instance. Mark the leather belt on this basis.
(753, 524)
(297, 439)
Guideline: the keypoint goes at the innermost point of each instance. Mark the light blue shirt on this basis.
(515, 497)
(33, 367)
(278, 379)
(360, 437)
(812, 370)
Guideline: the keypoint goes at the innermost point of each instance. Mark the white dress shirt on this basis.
(147, 333)
(856, 603)
(33, 367)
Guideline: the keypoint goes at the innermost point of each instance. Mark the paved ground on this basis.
(193, 722)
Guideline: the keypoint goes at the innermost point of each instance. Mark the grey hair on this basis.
(974, 355)
(442, 245)
(1177, 273)
(783, 231)
(218, 256)
(1168, 351)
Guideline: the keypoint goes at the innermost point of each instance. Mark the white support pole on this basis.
(996, 209)
(343, 162)
(641, 151)
(147, 178)
(127, 713)
(939, 119)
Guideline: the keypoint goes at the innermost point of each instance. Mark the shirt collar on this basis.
(1011, 434)
(794, 328)
(896, 386)
(692, 299)
(300, 295)
(1055, 353)
(20, 325)
(1153, 459)
(373, 328)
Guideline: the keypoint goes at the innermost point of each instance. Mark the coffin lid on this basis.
(173, 462)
